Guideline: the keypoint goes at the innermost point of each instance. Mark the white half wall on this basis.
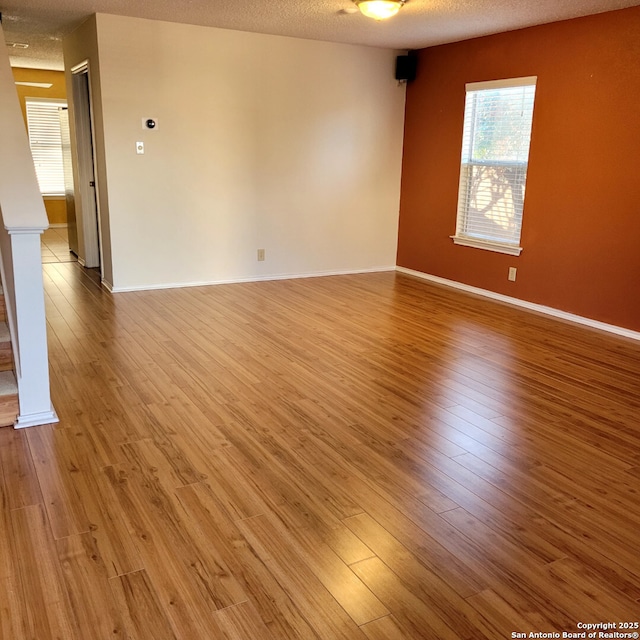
(263, 142)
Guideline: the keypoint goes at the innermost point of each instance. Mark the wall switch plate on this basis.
(260, 255)
(512, 274)
(140, 148)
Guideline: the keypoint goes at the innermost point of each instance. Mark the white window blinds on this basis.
(43, 123)
(495, 155)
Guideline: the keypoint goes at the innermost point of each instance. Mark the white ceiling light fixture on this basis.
(379, 9)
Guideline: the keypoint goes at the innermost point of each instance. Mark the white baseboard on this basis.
(531, 306)
(107, 285)
(207, 283)
(36, 419)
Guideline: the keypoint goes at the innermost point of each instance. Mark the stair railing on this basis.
(22, 220)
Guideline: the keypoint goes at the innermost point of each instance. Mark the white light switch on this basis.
(140, 148)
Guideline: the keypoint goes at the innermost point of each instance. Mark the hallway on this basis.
(55, 246)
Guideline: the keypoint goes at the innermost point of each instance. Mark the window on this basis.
(493, 172)
(43, 123)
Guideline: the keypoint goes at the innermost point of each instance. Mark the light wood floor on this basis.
(358, 457)
(54, 246)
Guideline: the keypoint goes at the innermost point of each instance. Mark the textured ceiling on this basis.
(420, 23)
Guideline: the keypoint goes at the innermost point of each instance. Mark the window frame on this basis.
(461, 237)
(34, 146)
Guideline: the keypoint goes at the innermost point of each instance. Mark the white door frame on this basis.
(89, 224)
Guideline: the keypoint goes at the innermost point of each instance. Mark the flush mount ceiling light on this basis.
(379, 9)
(39, 85)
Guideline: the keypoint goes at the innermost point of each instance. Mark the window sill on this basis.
(487, 245)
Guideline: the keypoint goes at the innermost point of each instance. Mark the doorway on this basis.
(86, 206)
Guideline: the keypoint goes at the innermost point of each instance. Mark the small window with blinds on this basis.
(493, 172)
(43, 124)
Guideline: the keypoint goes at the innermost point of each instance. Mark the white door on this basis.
(65, 136)
(86, 200)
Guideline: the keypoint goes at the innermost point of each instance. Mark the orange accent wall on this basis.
(581, 226)
(56, 206)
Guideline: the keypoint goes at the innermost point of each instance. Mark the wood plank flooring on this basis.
(354, 457)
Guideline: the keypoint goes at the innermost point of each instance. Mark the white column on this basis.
(30, 325)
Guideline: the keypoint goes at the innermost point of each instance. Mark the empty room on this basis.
(319, 320)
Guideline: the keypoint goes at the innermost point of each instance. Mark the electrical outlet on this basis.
(140, 148)
(512, 274)
(260, 255)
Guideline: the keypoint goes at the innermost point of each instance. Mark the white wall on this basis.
(20, 199)
(268, 142)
